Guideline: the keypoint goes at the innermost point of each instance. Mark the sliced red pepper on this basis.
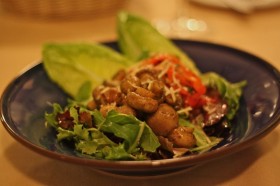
(157, 59)
(186, 78)
(170, 72)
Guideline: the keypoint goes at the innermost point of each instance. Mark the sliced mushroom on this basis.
(144, 104)
(164, 120)
(120, 75)
(125, 109)
(144, 92)
(110, 95)
(106, 108)
(157, 87)
(182, 137)
(129, 84)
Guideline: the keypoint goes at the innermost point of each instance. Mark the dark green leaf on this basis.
(64, 134)
(149, 141)
(116, 153)
(51, 117)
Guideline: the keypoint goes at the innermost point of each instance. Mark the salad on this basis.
(148, 101)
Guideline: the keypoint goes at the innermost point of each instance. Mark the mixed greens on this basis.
(148, 101)
(95, 141)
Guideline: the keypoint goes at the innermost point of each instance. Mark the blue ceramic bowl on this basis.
(26, 99)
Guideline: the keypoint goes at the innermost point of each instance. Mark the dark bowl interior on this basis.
(27, 98)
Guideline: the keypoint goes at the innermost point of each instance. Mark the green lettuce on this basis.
(231, 92)
(78, 67)
(138, 38)
(203, 142)
(134, 134)
(51, 117)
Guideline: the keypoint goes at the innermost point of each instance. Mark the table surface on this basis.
(21, 40)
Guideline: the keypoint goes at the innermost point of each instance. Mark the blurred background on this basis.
(25, 25)
(31, 22)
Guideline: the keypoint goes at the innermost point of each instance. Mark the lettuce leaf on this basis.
(203, 142)
(231, 92)
(134, 133)
(78, 67)
(51, 117)
(137, 37)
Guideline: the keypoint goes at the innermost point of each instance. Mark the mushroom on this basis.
(182, 137)
(138, 102)
(164, 120)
